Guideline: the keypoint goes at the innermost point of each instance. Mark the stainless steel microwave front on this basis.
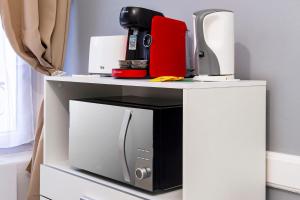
(112, 141)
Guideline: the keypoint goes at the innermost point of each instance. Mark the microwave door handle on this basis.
(122, 142)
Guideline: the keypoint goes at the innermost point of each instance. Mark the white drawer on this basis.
(43, 198)
(58, 185)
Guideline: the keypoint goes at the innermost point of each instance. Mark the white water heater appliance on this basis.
(214, 44)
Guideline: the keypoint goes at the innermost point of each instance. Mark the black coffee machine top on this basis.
(140, 18)
(138, 22)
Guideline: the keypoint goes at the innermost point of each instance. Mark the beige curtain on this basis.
(37, 30)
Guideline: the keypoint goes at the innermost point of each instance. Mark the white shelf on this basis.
(223, 133)
(187, 84)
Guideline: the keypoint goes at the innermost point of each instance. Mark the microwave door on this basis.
(94, 138)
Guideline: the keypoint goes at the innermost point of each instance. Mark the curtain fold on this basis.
(37, 157)
(37, 31)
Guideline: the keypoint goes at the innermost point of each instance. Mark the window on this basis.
(8, 88)
(16, 103)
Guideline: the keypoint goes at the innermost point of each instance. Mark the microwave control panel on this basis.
(143, 168)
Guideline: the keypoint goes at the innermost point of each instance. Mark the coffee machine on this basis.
(138, 22)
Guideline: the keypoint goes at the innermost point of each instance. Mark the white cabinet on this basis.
(223, 139)
(63, 183)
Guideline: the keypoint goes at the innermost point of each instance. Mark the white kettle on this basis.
(214, 43)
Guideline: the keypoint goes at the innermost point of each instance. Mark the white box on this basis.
(105, 52)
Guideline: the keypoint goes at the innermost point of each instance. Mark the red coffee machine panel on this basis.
(168, 48)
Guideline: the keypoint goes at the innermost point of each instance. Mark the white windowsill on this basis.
(15, 157)
(14, 150)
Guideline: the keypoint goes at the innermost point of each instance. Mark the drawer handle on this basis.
(86, 198)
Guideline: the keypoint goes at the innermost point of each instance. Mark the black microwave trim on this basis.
(135, 102)
(167, 141)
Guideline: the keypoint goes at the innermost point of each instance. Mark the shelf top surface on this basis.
(185, 84)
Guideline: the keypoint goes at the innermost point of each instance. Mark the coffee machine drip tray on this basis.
(129, 73)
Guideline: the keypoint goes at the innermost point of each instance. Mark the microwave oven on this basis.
(133, 140)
